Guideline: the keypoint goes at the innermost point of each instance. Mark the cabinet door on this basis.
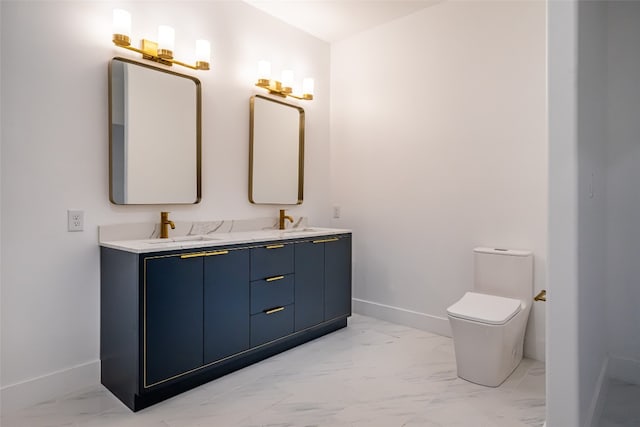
(172, 317)
(337, 280)
(309, 284)
(226, 304)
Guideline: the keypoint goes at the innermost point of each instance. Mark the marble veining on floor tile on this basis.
(372, 373)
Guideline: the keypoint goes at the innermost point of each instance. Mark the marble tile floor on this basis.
(621, 405)
(372, 373)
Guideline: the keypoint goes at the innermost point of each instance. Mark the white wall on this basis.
(591, 136)
(1, 192)
(438, 145)
(622, 195)
(594, 108)
(562, 318)
(54, 157)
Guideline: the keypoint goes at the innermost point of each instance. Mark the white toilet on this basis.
(488, 324)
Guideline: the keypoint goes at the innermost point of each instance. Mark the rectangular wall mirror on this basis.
(276, 152)
(155, 132)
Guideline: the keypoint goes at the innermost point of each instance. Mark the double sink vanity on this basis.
(180, 311)
(181, 307)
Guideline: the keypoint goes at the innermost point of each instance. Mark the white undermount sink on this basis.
(193, 238)
(301, 230)
(181, 239)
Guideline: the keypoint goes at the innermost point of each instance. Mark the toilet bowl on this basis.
(489, 323)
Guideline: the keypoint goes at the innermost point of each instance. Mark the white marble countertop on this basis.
(195, 241)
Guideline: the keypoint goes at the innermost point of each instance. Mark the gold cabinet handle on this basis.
(275, 246)
(333, 239)
(542, 296)
(214, 253)
(273, 310)
(273, 279)
(199, 254)
(194, 255)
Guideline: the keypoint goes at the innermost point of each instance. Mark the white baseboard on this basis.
(623, 369)
(425, 322)
(50, 386)
(599, 395)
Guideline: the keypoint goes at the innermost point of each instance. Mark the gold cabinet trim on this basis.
(215, 362)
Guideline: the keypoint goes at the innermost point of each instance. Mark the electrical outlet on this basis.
(75, 220)
(336, 212)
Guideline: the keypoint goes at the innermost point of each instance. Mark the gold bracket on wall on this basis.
(542, 296)
(275, 88)
(149, 50)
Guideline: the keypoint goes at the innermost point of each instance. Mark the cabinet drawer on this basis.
(268, 327)
(271, 260)
(272, 292)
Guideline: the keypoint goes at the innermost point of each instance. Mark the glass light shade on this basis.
(166, 38)
(307, 86)
(287, 78)
(203, 51)
(121, 22)
(264, 70)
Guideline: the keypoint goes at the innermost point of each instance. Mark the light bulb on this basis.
(121, 27)
(307, 86)
(166, 41)
(203, 54)
(264, 70)
(287, 80)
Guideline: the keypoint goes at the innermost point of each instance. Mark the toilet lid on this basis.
(484, 308)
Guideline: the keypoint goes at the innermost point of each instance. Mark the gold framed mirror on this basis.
(276, 152)
(154, 135)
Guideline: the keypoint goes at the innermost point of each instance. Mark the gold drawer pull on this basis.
(333, 239)
(273, 279)
(216, 253)
(194, 255)
(275, 246)
(273, 310)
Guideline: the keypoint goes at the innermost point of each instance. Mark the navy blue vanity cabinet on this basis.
(173, 321)
(337, 277)
(309, 287)
(271, 260)
(226, 303)
(323, 280)
(272, 292)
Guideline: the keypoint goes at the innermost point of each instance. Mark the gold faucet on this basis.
(282, 218)
(164, 222)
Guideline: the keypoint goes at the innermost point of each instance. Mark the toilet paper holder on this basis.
(542, 296)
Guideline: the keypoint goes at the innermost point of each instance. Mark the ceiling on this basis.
(335, 20)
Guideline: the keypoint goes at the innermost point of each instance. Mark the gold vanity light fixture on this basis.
(161, 51)
(283, 87)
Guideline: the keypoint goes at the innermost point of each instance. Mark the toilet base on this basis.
(488, 354)
(486, 380)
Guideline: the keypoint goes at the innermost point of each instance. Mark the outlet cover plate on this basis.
(75, 220)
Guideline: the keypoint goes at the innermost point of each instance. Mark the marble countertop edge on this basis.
(218, 239)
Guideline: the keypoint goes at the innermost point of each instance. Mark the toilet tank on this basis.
(504, 272)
